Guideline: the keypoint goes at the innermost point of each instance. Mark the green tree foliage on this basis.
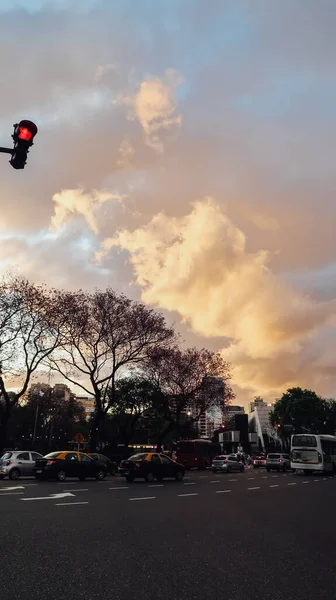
(301, 410)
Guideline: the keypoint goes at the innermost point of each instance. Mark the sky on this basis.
(185, 156)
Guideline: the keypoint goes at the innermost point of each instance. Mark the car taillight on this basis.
(319, 457)
(280, 460)
(51, 462)
(195, 459)
(8, 462)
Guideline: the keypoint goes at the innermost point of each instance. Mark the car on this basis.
(17, 463)
(150, 466)
(277, 461)
(112, 467)
(226, 463)
(259, 461)
(63, 464)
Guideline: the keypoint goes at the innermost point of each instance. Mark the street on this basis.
(256, 535)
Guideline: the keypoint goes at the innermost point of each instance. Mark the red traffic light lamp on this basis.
(24, 133)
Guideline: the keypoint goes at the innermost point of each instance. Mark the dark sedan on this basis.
(60, 465)
(112, 467)
(150, 466)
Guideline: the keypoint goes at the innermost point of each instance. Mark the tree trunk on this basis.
(95, 426)
(3, 431)
(164, 434)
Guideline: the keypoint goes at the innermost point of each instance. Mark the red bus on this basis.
(196, 453)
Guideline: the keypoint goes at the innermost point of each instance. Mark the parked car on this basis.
(150, 466)
(17, 463)
(226, 463)
(277, 461)
(112, 467)
(259, 461)
(60, 465)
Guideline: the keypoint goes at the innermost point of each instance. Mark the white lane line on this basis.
(274, 476)
(315, 480)
(123, 487)
(191, 483)
(70, 503)
(30, 484)
(265, 477)
(254, 488)
(78, 490)
(250, 478)
(156, 485)
(232, 479)
(223, 491)
(214, 481)
(304, 481)
(203, 476)
(291, 483)
(324, 479)
(185, 495)
(144, 498)
(276, 485)
(11, 494)
(14, 488)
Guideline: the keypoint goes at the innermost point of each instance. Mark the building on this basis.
(88, 404)
(60, 390)
(231, 411)
(259, 421)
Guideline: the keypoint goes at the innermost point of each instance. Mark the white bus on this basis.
(312, 452)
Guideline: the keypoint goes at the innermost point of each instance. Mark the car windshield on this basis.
(52, 455)
(138, 456)
(274, 456)
(221, 457)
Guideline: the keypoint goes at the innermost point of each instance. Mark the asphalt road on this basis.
(253, 535)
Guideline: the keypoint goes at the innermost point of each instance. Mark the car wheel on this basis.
(228, 470)
(242, 469)
(61, 476)
(214, 470)
(268, 469)
(100, 475)
(179, 476)
(149, 477)
(130, 478)
(14, 474)
(82, 478)
(159, 478)
(113, 471)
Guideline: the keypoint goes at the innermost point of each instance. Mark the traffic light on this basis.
(24, 133)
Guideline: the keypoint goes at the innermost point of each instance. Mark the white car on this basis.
(226, 463)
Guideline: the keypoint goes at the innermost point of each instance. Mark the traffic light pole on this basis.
(6, 150)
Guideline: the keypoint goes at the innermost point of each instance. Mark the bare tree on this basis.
(192, 381)
(105, 334)
(30, 329)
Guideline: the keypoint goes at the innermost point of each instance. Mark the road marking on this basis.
(316, 480)
(223, 491)
(79, 490)
(69, 503)
(214, 481)
(232, 479)
(50, 497)
(304, 481)
(144, 498)
(12, 489)
(276, 485)
(191, 483)
(254, 488)
(291, 483)
(122, 487)
(156, 485)
(203, 476)
(11, 494)
(184, 495)
(324, 479)
(265, 477)
(274, 476)
(250, 478)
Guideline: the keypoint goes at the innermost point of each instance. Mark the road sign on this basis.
(50, 497)
(79, 438)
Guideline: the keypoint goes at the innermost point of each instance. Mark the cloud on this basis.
(154, 106)
(198, 266)
(70, 203)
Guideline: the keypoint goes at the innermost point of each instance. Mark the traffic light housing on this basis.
(24, 133)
